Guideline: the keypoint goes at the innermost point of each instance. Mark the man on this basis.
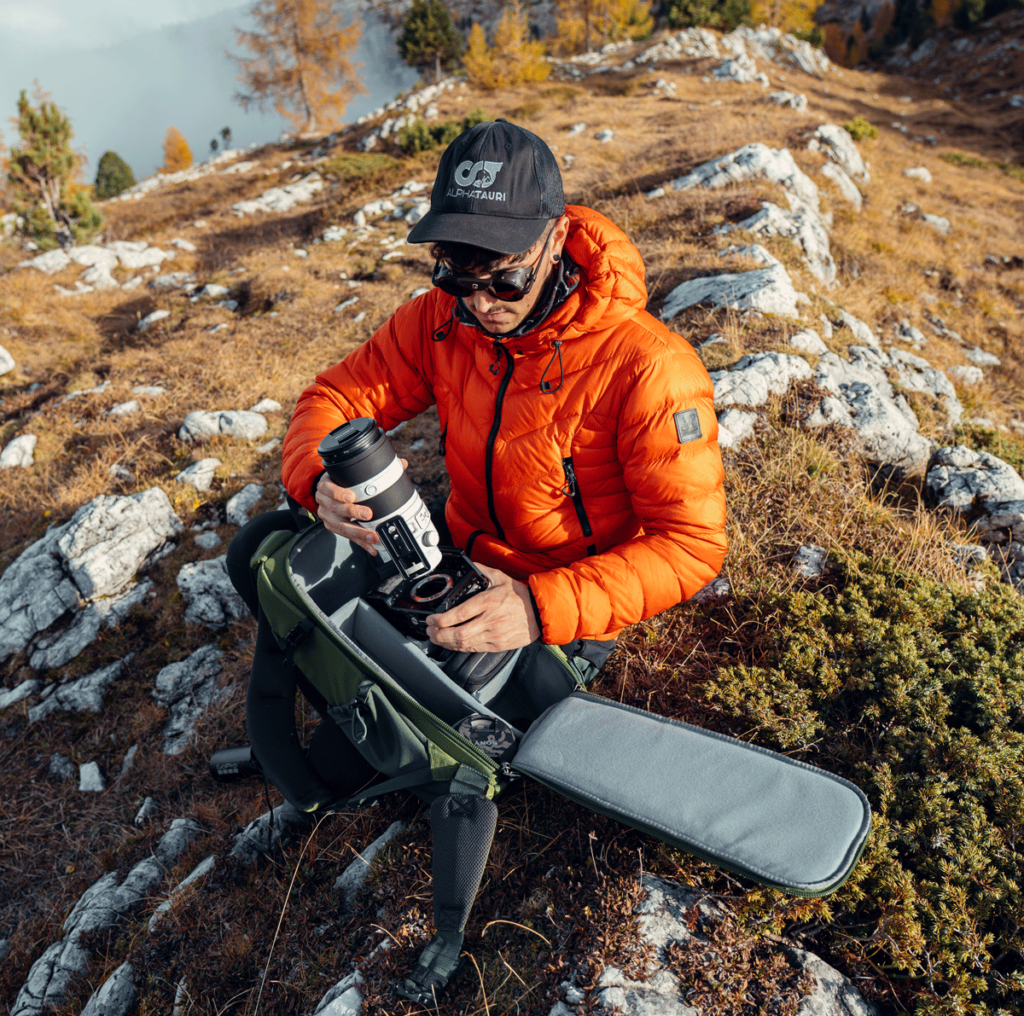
(578, 432)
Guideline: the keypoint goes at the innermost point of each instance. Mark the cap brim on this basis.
(489, 232)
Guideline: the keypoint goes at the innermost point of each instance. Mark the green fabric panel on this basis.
(334, 673)
(759, 813)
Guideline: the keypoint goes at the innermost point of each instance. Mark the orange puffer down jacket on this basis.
(605, 492)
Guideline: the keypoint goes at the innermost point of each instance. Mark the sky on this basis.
(126, 70)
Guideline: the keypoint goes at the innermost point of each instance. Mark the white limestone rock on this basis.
(716, 589)
(790, 99)
(908, 333)
(148, 257)
(115, 997)
(19, 453)
(90, 779)
(833, 994)
(966, 481)
(741, 69)
(830, 412)
(210, 597)
(56, 650)
(916, 374)
(6, 361)
(200, 474)
(968, 376)
(172, 280)
(918, 173)
(129, 408)
(809, 561)
(187, 245)
(61, 768)
(847, 187)
(352, 879)
(187, 689)
(236, 511)
(51, 262)
(201, 870)
(861, 331)
(837, 144)
(282, 199)
(208, 540)
(808, 341)
(92, 256)
(734, 427)
(149, 390)
(151, 319)
(101, 906)
(146, 811)
(19, 692)
(756, 376)
(266, 406)
(258, 839)
(982, 359)
(241, 423)
(938, 223)
(751, 161)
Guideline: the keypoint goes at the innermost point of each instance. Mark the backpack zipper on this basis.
(572, 489)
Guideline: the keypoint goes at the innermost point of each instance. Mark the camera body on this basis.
(418, 577)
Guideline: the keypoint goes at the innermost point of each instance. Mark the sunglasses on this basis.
(509, 285)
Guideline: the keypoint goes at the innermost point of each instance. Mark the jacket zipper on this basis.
(572, 489)
(444, 440)
(492, 437)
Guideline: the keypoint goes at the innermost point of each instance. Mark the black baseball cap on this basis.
(497, 187)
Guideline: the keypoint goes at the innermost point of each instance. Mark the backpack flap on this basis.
(743, 808)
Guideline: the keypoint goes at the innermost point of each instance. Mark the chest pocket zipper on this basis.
(444, 439)
(572, 489)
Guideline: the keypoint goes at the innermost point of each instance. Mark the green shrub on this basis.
(914, 690)
(419, 136)
(960, 159)
(367, 167)
(815, 36)
(723, 14)
(113, 175)
(858, 128)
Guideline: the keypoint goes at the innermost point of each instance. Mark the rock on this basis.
(199, 474)
(808, 341)
(846, 186)
(268, 446)
(979, 357)
(119, 472)
(967, 375)
(90, 779)
(861, 331)
(809, 561)
(51, 262)
(124, 408)
(741, 69)
(837, 144)
(6, 361)
(147, 811)
(769, 290)
(151, 319)
(99, 278)
(751, 161)
(146, 258)
(151, 390)
(61, 768)
(908, 333)
(833, 994)
(127, 763)
(917, 375)
(351, 880)
(414, 214)
(965, 481)
(264, 835)
(734, 426)
(21, 691)
(793, 101)
(208, 540)
(576, 128)
(266, 406)
(345, 304)
(98, 908)
(203, 424)
(716, 589)
(335, 233)
(605, 135)
(281, 199)
(211, 599)
(115, 997)
(187, 245)
(938, 223)
(187, 689)
(755, 377)
(238, 507)
(343, 999)
(200, 871)
(19, 453)
(826, 327)
(82, 696)
(92, 256)
(920, 173)
(77, 291)
(172, 280)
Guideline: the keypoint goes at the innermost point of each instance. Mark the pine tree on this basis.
(513, 58)
(113, 175)
(429, 39)
(42, 172)
(301, 67)
(177, 154)
(225, 134)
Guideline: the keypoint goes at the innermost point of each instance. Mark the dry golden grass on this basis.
(790, 488)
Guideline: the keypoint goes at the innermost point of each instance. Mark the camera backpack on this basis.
(751, 811)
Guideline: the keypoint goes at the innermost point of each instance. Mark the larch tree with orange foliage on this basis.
(177, 154)
(301, 63)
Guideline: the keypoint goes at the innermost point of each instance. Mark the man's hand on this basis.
(499, 618)
(338, 510)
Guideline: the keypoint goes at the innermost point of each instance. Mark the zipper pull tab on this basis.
(569, 489)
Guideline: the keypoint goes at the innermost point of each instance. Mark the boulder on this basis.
(209, 595)
(735, 426)
(755, 377)
(918, 173)
(809, 561)
(115, 997)
(94, 554)
(145, 258)
(199, 474)
(51, 262)
(90, 779)
(808, 341)
(129, 408)
(790, 99)
(981, 358)
(19, 692)
(769, 290)
(352, 879)
(92, 256)
(187, 245)
(847, 187)
(151, 319)
(266, 406)
(187, 689)
(281, 199)
(916, 374)
(203, 424)
(970, 482)
(19, 452)
(938, 223)
(236, 511)
(968, 376)
(6, 361)
(201, 870)
(172, 280)
(861, 331)
(836, 143)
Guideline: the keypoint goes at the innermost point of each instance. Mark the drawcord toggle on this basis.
(546, 386)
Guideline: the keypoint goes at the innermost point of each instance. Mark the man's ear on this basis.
(558, 237)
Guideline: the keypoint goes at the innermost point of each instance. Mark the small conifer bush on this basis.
(419, 136)
(113, 175)
(858, 128)
(914, 690)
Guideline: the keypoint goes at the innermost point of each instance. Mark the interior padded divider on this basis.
(330, 569)
(463, 828)
(760, 813)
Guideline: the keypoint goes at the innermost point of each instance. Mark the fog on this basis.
(125, 95)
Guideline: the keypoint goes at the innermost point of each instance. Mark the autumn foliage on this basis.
(177, 154)
(301, 64)
(513, 58)
(584, 25)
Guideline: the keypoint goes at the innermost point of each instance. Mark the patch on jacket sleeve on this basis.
(687, 425)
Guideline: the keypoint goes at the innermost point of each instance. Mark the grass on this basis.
(561, 884)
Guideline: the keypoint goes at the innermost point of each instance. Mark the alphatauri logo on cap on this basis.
(474, 180)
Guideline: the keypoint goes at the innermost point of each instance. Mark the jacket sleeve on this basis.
(667, 448)
(387, 378)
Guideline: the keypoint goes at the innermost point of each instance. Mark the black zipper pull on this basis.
(443, 441)
(569, 489)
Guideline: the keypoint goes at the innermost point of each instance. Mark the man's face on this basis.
(498, 317)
